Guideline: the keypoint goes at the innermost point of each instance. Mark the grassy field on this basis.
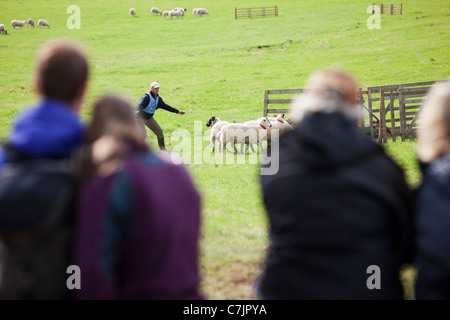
(218, 66)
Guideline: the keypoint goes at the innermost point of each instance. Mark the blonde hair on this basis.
(330, 90)
(434, 126)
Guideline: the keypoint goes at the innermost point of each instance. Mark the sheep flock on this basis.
(253, 132)
(175, 12)
(19, 24)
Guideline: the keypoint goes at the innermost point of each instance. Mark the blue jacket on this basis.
(144, 102)
(49, 129)
(432, 232)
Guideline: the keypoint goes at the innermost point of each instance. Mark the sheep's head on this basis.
(211, 121)
(265, 123)
(280, 118)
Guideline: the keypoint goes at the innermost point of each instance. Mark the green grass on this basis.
(216, 65)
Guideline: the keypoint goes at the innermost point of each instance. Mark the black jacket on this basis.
(145, 99)
(432, 229)
(337, 205)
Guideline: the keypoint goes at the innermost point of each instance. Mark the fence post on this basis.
(249, 12)
(235, 13)
(361, 102)
(401, 106)
(369, 97)
(276, 11)
(266, 102)
(401, 8)
(373, 9)
(381, 10)
(392, 101)
(392, 8)
(382, 124)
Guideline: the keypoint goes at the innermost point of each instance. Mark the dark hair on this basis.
(62, 70)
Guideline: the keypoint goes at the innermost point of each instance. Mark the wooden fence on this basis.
(391, 111)
(255, 12)
(393, 8)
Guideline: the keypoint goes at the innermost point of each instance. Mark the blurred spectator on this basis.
(36, 179)
(433, 207)
(337, 206)
(139, 215)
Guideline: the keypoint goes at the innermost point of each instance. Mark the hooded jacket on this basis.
(51, 129)
(337, 206)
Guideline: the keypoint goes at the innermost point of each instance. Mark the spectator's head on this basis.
(62, 72)
(112, 132)
(333, 83)
(329, 91)
(113, 115)
(434, 127)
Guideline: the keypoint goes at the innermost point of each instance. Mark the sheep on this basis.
(43, 23)
(133, 12)
(244, 134)
(165, 14)
(18, 23)
(3, 29)
(179, 9)
(194, 11)
(216, 124)
(281, 123)
(202, 11)
(30, 22)
(277, 119)
(176, 13)
(156, 10)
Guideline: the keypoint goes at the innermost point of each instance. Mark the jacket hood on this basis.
(327, 140)
(50, 129)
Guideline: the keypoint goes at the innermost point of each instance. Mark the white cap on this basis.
(155, 85)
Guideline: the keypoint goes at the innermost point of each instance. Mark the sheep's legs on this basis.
(261, 149)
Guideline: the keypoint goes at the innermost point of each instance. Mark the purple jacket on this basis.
(137, 233)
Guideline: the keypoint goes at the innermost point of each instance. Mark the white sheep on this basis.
(156, 11)
(278, 122)
(3, 29)
(244, 134)
(274, 119)
(176, 14)
(165, 14)
(216, 125)
(30, 22)
(202, 11)
(194, 11)
(18, 23)
(133, 12)
(281, 123)
(179, 9)
(43, 23)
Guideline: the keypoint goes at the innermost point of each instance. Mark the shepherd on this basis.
(146, 108)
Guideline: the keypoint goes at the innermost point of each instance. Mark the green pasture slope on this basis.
(218, 66)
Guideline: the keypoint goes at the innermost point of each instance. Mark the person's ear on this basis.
(37, 88)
